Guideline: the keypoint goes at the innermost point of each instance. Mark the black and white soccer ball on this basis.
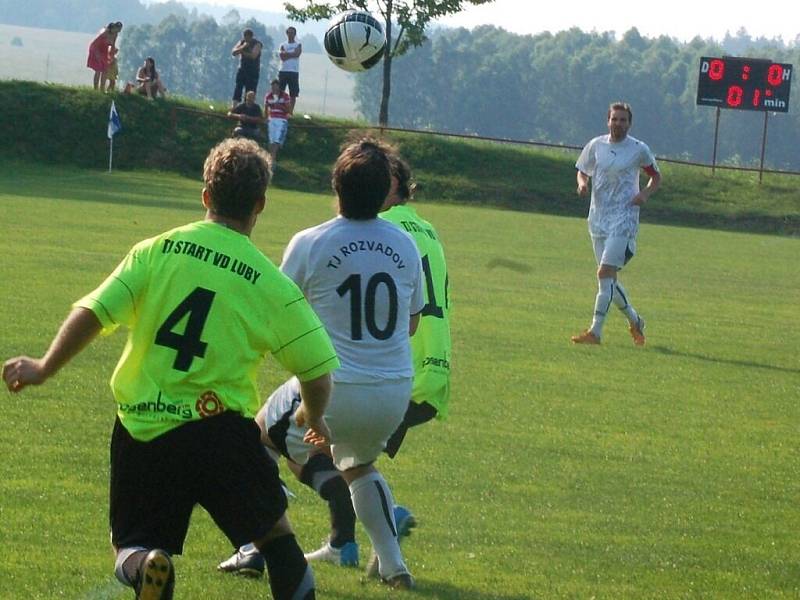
(355, 40)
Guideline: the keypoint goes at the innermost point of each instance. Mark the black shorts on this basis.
(292, 79)
(218, 463)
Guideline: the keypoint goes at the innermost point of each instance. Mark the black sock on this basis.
(336, 493)
(343, 518)
(290, 577)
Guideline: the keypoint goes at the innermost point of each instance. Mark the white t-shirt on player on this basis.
(364, 280)
(614, 169)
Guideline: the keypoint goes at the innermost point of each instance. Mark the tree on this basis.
(412, 18)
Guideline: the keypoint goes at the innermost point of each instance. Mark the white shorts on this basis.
(613, 251)
(277, 131)
(361, 417)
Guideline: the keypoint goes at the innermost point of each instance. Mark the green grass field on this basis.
(670, 471)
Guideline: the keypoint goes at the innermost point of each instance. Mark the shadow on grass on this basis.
(444, 591)
(726, 361)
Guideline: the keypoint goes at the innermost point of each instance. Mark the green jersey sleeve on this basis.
(114, 302)
(303, 346)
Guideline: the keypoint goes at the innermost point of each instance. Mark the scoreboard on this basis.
(744, 84)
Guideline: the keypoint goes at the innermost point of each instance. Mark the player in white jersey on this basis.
(613, 162)
(363, 276)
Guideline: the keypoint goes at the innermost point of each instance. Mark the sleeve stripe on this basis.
(289, 343)
(108, 314)
(300, 299)
(133, 299)
(332, 357)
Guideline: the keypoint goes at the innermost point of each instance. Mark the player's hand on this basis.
(639, 199)
(22, 371)
(318, 433)
(583, 190)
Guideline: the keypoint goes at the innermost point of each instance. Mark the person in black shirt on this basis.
(250, 118)
(248, 49)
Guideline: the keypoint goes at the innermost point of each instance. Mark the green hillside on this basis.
(52, 124)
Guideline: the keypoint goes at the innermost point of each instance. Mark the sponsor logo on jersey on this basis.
(209, 405)
(158, 406)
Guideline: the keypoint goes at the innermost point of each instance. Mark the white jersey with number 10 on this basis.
(364, 280)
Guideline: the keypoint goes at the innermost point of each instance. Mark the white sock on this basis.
(605, 294)
(373, 504)
(621, 301)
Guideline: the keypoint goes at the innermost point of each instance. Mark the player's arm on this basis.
(79, 328)
(296, 52)
(583, 183)
(255, 52)
(315, 395)
(652, 186)
(239, 47)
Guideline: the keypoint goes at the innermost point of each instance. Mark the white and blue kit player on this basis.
(363, 277)
(613, 162)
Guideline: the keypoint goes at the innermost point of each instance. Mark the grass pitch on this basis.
(670, 471)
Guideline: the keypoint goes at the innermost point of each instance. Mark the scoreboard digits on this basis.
(744, 84)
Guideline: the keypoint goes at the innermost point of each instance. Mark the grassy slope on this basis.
(610, 472)
(59, 125)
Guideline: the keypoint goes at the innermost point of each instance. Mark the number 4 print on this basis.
(188, 344)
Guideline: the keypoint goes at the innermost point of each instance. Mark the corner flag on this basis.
(114, 124)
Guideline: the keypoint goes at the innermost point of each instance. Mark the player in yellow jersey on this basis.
(203, 306)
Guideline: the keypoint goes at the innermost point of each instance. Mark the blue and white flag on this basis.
(114, 124)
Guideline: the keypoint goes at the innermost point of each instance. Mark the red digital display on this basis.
(744, 83)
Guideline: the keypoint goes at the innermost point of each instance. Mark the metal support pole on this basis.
(716, 136)
(763, 148)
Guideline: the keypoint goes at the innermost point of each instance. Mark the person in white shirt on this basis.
(363, 277)
(612, 162)
(289, 73)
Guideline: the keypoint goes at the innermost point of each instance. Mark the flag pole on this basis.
(110, 152)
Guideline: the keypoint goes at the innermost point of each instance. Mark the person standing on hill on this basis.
(612, 162)
(289, 73)
(248, 49)
(277, 105)
(203, 307)
(99, 52)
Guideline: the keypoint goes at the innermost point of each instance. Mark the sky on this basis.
(681, 19)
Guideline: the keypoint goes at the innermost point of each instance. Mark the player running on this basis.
(203, 306)
(612, 162)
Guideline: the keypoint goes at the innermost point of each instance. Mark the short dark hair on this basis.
(291, 28)
(247, 33)
(274, 81)
(402, 173)
(236, 175)
(621, 106)
(362, 178)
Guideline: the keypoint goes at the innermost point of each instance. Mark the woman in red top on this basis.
(98, 51)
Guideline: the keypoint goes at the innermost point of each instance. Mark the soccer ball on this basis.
(355, 40)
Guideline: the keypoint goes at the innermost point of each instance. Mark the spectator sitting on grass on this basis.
(250, 118)
(148, 82)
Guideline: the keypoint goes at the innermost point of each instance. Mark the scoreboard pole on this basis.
(763, 148)
(716, 138)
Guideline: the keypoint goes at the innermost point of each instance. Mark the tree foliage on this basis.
(412, 18)
(193, 58)
(557, 88)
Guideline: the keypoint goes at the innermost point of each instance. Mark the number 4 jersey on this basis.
(364, 280)
(203, 306)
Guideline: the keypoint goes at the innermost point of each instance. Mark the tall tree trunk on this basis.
(383, 116)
